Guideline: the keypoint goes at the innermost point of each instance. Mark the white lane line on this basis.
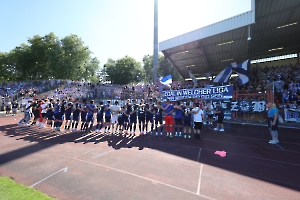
(138, 176)
(103, 154)
(280, 147)
(199, 182)
(64, 169)
(130, 142)
(199, 155)
(86, 152)
(237, 154)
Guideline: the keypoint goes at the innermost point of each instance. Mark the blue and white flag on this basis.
(243, 71)
(193, 78)
(167, 80)
(225, 74)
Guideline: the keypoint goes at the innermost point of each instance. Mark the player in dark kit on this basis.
(107, 117)
(50, 113)
(178, 118)
(133, 115)
(141, 117)
(68, 114)
(158, 117)
(91, 108)
(83, 113)
(35, 111)
(187, 120)
(121, 120)
(149, 115)
(100, 112)
(76, 114)
(57, 115)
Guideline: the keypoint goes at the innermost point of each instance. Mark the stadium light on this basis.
(225, 43)
(287, 25)
(276, 49)
(182, 52)
(227, 60)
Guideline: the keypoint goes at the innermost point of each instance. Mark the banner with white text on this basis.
(216, 92)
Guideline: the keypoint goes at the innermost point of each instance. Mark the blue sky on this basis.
(111, 28)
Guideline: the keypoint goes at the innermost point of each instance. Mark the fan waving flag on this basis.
(167, 80)
(193, 78)
(243, 71)
(225, 74)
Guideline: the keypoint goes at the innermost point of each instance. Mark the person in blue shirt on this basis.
(273, 122)
(178, 118)
(168, 109)
(91, 108)
(107, 114)
(158, 117)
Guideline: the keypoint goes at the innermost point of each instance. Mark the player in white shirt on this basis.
(198, 119)
(115, 109)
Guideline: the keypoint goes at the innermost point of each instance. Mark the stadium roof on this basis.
(274, 30)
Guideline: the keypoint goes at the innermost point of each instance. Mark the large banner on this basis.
(243, 106)
(217, 92)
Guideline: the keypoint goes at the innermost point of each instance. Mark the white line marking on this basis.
(103, 154)
(199, 155)
(138, 176)
(280, 147)
(199, 182)
(128, 143)
(64, 170)
(238, 154)
(86, 152)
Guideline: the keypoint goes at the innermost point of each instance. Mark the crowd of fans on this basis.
(286, 81)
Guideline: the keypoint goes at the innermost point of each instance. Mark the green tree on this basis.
(125, 70)
(49, 56)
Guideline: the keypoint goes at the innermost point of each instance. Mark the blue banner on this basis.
(217, 92)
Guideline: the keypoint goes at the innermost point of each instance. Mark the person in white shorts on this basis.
(114, 109)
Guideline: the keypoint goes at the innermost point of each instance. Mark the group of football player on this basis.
(149, 117)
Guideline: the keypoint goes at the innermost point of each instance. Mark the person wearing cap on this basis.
(220, 114)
